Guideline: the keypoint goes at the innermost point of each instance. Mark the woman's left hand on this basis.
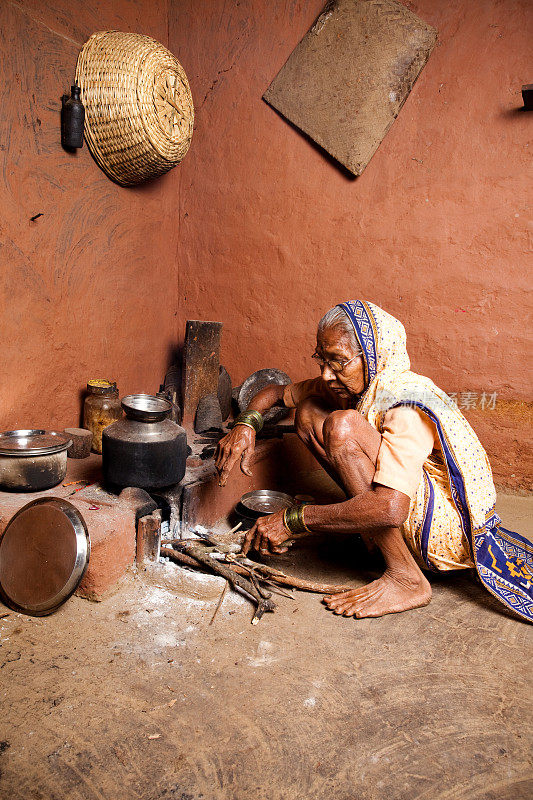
(268, 535)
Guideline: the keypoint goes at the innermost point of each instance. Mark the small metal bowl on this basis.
(32, 460)
(262, 502)
(146, 407)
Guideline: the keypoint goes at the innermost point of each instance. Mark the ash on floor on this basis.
(139, 697)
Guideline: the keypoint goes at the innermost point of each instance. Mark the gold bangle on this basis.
(252, 418)
(245, 425)
(301, 516)
(293, 519)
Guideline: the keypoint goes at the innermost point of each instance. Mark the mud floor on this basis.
(139, 697)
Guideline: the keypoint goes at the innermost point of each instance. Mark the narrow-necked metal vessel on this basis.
(146, 449)
(146, 407)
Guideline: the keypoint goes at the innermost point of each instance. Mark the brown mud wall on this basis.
(88, 289)
(435, 231)
(257, 228)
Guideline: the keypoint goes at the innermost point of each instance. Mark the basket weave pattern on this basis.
(139, 113)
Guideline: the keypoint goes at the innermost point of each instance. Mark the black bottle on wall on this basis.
(72, 119)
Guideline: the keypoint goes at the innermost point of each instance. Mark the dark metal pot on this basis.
(146, 449)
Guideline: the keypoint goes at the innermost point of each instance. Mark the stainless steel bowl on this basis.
(32, 460)
(146, 407)
(262, 502)
(36, 442)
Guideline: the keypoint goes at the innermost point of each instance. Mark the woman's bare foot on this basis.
(388, 595)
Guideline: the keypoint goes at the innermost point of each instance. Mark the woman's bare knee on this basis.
(340, 429)
(349, 430)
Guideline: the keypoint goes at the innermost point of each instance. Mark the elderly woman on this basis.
(418, 483)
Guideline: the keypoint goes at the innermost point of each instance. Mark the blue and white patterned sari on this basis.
(503, 559)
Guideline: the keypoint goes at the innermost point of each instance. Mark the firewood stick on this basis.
(190, 561)
(181, 558)
(274, 575)
(236, 528)
(220, 599)
(277, 576)
(206, 538)
(276, 588)
(248, 562)
(260, 610)
(309, 586)
(255, 578)
(179, 542)
(232, 576)
(263, 592)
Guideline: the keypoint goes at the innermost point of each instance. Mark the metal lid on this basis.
(44, 553)
(35, 442)
(146, 407)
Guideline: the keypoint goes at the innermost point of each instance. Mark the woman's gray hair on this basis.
(337, 317)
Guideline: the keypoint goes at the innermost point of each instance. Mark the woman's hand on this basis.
(269, 535)
(238, 444)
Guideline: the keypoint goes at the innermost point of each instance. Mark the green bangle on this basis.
(253, 419)
(293, 519)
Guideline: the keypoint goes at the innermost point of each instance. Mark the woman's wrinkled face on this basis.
(334, 345)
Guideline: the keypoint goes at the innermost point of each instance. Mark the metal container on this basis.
(146, 449)
(262, 502)
(32, 460)
(44, 553)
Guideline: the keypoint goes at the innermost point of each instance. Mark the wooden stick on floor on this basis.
(275, 575)
(232, 576)
(220, 600)
(236, 528)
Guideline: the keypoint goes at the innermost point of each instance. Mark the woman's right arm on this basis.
(239, 444)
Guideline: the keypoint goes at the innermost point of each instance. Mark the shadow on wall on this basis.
(514, 113)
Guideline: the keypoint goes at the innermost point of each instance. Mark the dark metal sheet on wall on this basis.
(347, 80)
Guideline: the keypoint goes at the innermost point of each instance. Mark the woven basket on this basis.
(139, 112)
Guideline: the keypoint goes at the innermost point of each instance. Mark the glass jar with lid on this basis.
(101, 408)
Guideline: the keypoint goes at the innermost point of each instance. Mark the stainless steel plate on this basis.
(146, 407)
(44, 553)
(265, 501)
(35, 442)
